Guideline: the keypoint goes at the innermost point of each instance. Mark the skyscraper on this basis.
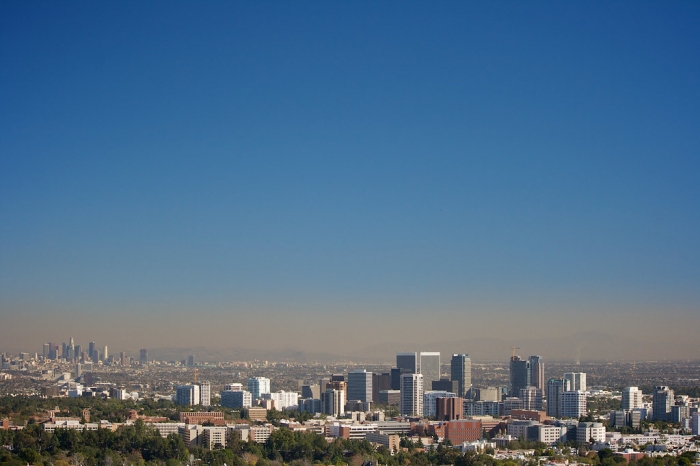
(531, 398)
(555, 394)
(186, 395)
(411, 394)
(105, 353)
(190, 360)
(461, 372)
(334, 402)
(380, 382)
(360, 386)
(662, 401)
(519, 375)
(573, 404)
(92, 346)
(205, 393)
(236, 399)
(407, 363)
(577, 379)
(143, 357)
(429, 367)
(537, 372)
(258, 385)
(631, 398)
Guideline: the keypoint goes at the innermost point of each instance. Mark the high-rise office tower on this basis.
(45, 350)
(519, 375)
(77, 352)
(323, 384)
(380, 382)
(334, 402)
(122, 357)
(662, 401)
(143, 357)
(411, 394)
(92, 346)
(555, 393)
(105, 353)
(429, 367)
(258, 385)
(360, 386)
(187, 395)
(407, 362)
(631, 398)
(311, 391)
(205, 393)
(461, 372)
(537, 372)
(573, 404)
(577, 379)
(190, 360)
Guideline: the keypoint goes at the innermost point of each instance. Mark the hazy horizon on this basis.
(329, 177)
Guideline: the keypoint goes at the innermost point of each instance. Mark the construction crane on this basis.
(513, 348)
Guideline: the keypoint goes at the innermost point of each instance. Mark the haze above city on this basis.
(352, 178)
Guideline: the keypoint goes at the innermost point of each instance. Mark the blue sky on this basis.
(491, 160)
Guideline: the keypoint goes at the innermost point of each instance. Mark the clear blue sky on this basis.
(525, 158)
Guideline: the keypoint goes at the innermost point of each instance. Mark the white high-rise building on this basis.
(257, 386)
(429, 367)
(360, 386)
(573, 404)
(205, 393)
(187, 395)
(282, 399)
(577, 380)
(411, 394)
(631, 398)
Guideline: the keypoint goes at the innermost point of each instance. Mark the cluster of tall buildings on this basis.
(74, 353)
(193, 394)
(566, 396)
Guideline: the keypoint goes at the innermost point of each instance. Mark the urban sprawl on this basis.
(74, 405)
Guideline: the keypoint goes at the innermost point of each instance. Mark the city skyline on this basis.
(261, 177)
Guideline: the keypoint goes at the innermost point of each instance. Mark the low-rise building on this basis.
(390, 441)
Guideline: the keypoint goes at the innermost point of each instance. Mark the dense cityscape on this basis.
(525, 410)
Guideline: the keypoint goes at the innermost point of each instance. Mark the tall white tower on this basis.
(631, 398)
(412, 394)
